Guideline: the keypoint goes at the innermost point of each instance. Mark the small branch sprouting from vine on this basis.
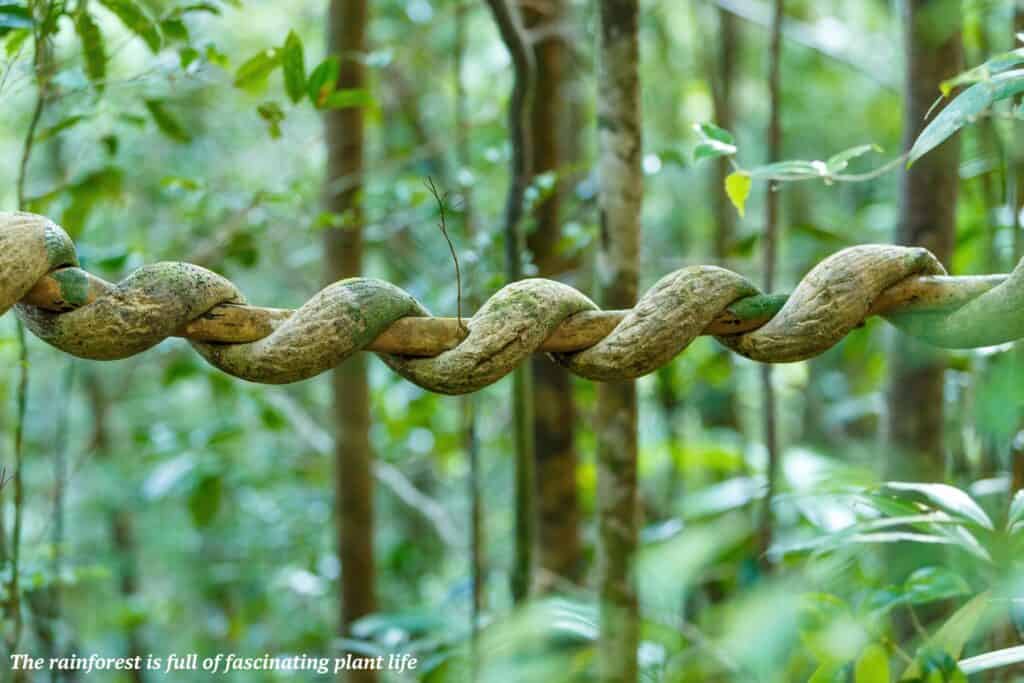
(429, 182)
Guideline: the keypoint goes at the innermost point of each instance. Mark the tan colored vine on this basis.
(90, 318)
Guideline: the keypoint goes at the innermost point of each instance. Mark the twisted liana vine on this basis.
(88, 317)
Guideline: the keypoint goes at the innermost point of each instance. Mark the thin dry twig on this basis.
(451, 247)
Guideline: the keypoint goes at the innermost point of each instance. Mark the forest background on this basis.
(525, 533)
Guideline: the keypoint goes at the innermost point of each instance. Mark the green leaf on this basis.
(839, 162)
(174, 30)
(1016, 514)
(59, 127)
(323, 81)
(737, 187)
(272, 113)
(14, 17)
(984, 72)
(188, 56)
(872, 666)
(791, 170)
(996, 659)
(199, 7)
(216, 57)
(343, 99)
(941, 496)
(709, 131)
(15, 40)
(964, 109)
(929, 584)
(293, 61)
(93, 49)
(710, 149)
(252, 75)
(136, 20)
(953, 635)
(204, 499)
(168, 124)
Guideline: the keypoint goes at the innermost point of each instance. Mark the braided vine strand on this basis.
(340, 320)
(831, 300)
(666, 319)
(506, 331)
(94, 319)
(145, 308)
(30, 247)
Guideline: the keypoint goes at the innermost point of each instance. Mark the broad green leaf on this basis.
(136, 20)
(710, 149)
(272, 113)
(964, 109)
(996, 659)
(1016, 514)
(252, 75)
(216, 57)
(199, 7)
(343, 99)
(174, 30)
(983, 72)
(15, 40)
(737, 187)
(59, 127)
(93, 49)
(941, 496)
(929, 584)
(188, 56)
(167, 122)
(953, 635)
(872, 666)
(293, 62)
(14, 17)
(827, 672)
(839, 162)
(323, 81)
(709, 131)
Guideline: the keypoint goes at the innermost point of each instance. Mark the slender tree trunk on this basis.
(343, 252)
(620, 200)
(928, 198)
(122, 526)
(723, 74)
(506, 16)
(463, 160)
(722, 58)
(770, 252)
(555, 414)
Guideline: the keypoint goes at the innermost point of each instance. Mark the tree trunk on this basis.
(620, 199)
(770, 248)
(506, 16)
(343, 252)
(721, 408)
(122, 528)
(723, 74)
(927, 218)
(554, 423)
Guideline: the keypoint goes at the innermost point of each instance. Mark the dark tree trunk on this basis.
(343, 256)
(928, 198)
(620, 199)
(122, 527)
(554, 422)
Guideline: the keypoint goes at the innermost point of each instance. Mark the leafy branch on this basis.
(717, 142)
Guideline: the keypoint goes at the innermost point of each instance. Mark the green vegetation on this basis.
(857, 517)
